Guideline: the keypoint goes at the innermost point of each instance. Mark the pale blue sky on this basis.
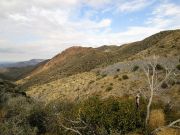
(42, 28)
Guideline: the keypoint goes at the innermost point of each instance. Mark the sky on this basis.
(40, 29)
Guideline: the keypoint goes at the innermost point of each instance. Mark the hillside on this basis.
(18, 70)
(80, 59)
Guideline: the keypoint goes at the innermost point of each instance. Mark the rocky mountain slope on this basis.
(79, 59)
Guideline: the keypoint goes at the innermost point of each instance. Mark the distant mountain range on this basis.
(17, 70)
(21, 64)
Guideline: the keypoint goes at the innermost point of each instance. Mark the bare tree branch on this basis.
(71, 129)
(152, 78)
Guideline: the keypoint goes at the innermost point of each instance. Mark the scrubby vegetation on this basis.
(125, 77)
(109, 88)
(135, 68)
(23, 116)
(159, 67)
(178, 67)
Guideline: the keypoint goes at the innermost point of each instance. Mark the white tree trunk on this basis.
(148, 108)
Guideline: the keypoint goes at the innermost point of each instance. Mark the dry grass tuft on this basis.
(157, 118)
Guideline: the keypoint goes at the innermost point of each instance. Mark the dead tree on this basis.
(154, 79)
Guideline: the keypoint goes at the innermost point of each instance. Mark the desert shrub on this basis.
(16, 119)
(159, 67)
(168, 131)
(178, 66)
(135, 68)
(134, 133)
(103, 75)
(113, 114)
(109, 88)
(97, 73)
(92, 81)
(164, 85)
(177, 82)
(118, 70)
(53, 122)
(157, 119)
(119, 79)
(173, 46)
(116, 76)
(38, 120)
(125, 77)
(171, 82)
(172, 113)
(161, 46)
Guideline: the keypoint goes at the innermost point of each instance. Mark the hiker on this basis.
(137, 100)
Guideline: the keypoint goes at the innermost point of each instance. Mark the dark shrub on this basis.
(159, 67)
(178, 66)
(97, 73)
(171, 82)
(161, 46)
(135, 68)
(177, 82)
(119, 79)
(173, 46)
(116, 76)
(118, 70)
(125, 77)
(92, 81)
(109, 88)
(38, 119)
(164, 85)
(103, 75)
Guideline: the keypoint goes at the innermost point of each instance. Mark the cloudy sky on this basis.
(42, 28)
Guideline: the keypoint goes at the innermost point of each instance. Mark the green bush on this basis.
(113, 114)
(17, 109)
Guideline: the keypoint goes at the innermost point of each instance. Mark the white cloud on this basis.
(133, 5)
(164, 16)
(18, 17)
(53, 25)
